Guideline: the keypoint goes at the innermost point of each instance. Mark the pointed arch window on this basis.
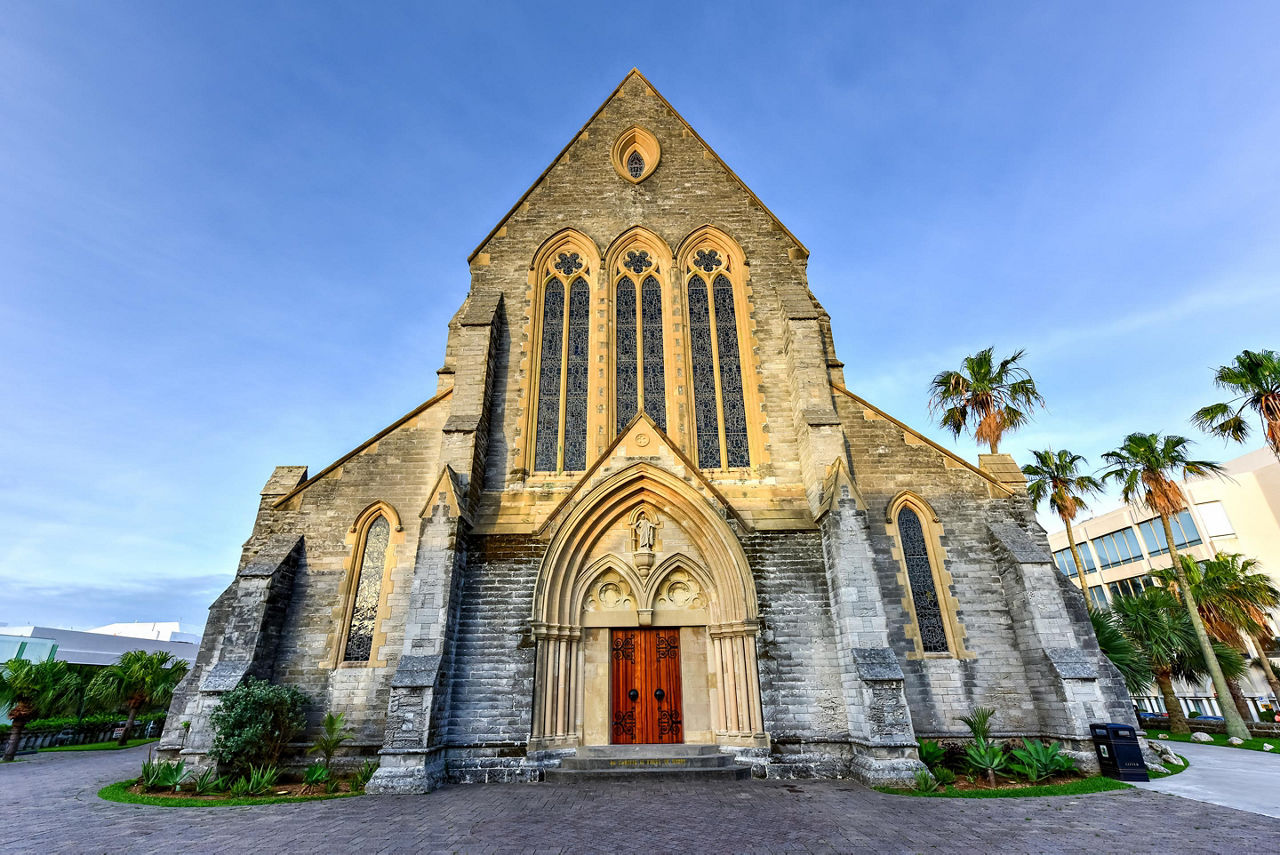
(925, 601)
(560, 443)
(367, 587)
(639, 367)
(720, 418)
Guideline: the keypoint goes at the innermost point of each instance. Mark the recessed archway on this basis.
(688, 571)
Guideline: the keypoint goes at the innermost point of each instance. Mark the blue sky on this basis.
(231, 234)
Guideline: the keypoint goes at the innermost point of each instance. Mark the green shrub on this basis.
(362, 775)
(253, 724)
(332, 785)
(1036, 760)
(987, 758)
(944, 775)
(240, 787)
(925, 783)
(208, 782)
(262, 779)
(333, 735)
(979, 722)
(931, 753)
(1267, 715)
(163, 774)
(317, 773)
(1193, 714)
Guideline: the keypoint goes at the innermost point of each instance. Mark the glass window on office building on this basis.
(1066, 562)
(1099, 598)
(1130, 587)
(1184, 533)
(1119, 547)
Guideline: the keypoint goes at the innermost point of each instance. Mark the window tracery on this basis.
(930, 621)
(722, 435)
(368, 590)
(576, 377)
(548, 430)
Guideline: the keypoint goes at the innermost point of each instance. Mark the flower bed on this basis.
(1062, 785)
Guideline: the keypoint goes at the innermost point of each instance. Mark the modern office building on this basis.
(1237, 513)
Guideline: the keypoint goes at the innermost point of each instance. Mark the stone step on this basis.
(733, 772)
(648, 763)
(677, 750)
(721, 762)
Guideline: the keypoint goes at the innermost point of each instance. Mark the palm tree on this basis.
(1160, 629)
(1145, 466)
(1233, 598)
(1254, 377)
(1055, 476)
(140, 679)
(999, 397)
(1130, 659)
(33, 690)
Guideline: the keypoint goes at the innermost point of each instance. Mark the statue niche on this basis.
(644, 524)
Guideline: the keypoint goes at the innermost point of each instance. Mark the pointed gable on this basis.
(622, 99)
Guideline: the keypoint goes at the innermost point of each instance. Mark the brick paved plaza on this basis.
(49, 806)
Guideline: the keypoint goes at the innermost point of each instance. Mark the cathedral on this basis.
(643, 512)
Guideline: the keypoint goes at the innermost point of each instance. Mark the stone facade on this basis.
(851, 589)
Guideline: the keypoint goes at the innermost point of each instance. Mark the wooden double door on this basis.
(644, 686)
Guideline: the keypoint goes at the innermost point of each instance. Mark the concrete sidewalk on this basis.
(1231, 777)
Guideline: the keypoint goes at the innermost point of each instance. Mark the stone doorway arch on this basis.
(644, 548)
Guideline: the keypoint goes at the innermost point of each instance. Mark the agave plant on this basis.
(931, 753)
(315, 775)
(987, 758)
(362, 775)
(1036, 760)
(925, 782)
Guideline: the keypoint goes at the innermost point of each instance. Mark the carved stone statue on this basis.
(644, 533)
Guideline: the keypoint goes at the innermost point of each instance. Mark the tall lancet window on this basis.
(373, 544)
(560, 441)
(639, 370)
(720, 417)
(920, 579)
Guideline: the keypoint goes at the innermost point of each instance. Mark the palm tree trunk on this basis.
(128, 725)
(1177, 720)
(1235, 724)
(1242, 705)
(1075, 556)
(15, 736)
(1267, 669)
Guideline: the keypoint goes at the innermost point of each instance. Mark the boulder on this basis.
(1267, 746)
(1164, 736)
(1235, 740)
(1201, 736)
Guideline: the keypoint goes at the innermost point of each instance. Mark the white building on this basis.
(1239, 513)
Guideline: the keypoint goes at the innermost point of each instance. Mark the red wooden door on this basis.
(645, 692)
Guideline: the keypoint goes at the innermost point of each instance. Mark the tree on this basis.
(33, 690)
(1130, 659)
(1233, 598)
(1145, 465)
(1055, 476)
(998, 397)
(1254, 377)
(139, 680)
(1159, 627)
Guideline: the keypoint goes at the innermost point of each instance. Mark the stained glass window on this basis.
(635, 164)
(735, 414)
(924, 593)
(625, 353)
(655, 384)
(576, 377)
(702, 350)
(364, 612)
(548, 428)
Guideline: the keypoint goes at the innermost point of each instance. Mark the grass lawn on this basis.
(1083, 786)
(101, 746)
(119, 792)
(1173, 770)
(1218, 739)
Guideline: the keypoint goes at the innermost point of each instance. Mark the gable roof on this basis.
(635, 72)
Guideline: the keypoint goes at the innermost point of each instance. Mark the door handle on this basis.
(659, 694)
(633, 695)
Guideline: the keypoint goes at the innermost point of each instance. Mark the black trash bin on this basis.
(1119, 753)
